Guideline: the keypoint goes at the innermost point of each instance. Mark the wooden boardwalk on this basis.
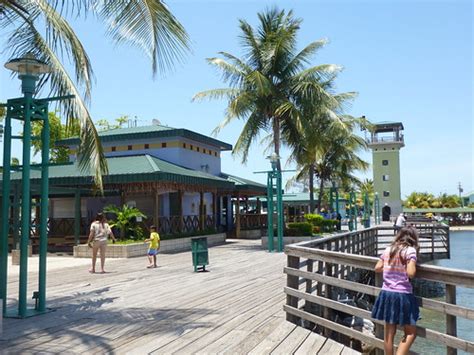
(236, 308)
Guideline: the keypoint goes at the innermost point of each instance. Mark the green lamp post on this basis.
(352, 211)
(377, 208)
(26, 109)
(274, 181)
(366, 210)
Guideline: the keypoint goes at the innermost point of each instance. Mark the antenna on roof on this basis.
(155, 122)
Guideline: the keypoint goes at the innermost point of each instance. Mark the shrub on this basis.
(314, 219)
(299, 228)
(329, 225)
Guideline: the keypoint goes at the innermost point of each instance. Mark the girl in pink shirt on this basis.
(396, 304)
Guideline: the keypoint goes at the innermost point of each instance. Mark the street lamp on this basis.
(26, 109)
(377, 208)
(274, 180)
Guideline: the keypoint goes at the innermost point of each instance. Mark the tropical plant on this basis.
(41, 28)
(419, 200)
(125, 221)
(327, 150)
(105, 125)
(428, 200)
(272, 80)
(58, 131)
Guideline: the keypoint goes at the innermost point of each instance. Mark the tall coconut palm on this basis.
(270, 81)
(328, 152)
(41, 27)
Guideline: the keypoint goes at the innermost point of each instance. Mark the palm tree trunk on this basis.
(276, 139)
(311, 188)
(320, 195)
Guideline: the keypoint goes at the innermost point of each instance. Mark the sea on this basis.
(462, 257)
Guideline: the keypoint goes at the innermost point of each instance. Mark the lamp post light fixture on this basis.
(26, 109)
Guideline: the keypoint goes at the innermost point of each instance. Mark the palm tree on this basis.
(268, 85)
(40, 27)
(367, 187)
(328, 152)
(420, 200)
(125, 220)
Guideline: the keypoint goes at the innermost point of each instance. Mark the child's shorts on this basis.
(152, 252)
(396, 308)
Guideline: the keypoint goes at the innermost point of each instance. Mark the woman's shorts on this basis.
(396, 308)
(152, 252)
(100, 243)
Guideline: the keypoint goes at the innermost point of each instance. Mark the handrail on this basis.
(330, 261)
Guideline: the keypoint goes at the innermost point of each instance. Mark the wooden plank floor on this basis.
(235, 308)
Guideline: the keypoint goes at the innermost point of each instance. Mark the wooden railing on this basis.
(434, 240)
(320, 271)
(252, 221)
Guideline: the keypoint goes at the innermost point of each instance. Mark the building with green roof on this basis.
(172, 175)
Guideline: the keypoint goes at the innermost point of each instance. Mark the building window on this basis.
(204, 151)
(385, 177)
(197, 149)
(191, 146)
(163, 145)
(184, 145)
(113, 149)
(384, 162)
(147, 146)
(215, 154)
(130, 147)
(210, 153)
(386, 194)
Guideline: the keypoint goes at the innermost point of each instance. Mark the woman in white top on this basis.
(100, 231)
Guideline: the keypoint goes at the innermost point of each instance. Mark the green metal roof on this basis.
(127, 169)
(295, 198)
(244, 184)
(439, 210)
(154, 131)
(386, 125)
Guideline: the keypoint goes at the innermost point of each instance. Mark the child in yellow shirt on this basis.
(153, 247)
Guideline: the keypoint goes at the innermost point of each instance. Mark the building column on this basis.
(77, 216)
(237, 217)
(202, 220)
(214, 210)
(156, 211)
(180, 204)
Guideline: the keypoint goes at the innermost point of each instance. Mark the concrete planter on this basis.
(251, 234)
(287, 240)
(140, 249)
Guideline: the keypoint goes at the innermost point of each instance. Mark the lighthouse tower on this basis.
(386, 140)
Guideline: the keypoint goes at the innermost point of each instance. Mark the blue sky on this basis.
(410, 61)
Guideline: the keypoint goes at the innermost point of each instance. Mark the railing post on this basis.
(293, 282)
(451, 327)
(379, 328)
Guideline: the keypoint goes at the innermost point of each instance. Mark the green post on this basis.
(337, 202)
(270, 210)
(377, 208)
(354, 206)
(77, 216)
(25, 207)
(43, 241)
(280, 215)
(366, 210)
(5, 209)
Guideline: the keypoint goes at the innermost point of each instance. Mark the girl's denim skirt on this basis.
(396, 308)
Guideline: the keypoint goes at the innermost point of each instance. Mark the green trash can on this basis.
(200, 253)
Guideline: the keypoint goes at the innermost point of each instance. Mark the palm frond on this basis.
(91, 158)
(149, 25)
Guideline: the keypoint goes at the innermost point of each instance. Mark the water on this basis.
(462, 247)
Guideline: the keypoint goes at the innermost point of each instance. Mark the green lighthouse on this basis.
(386, 139)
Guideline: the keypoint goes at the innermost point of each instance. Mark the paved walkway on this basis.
(235, 308)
